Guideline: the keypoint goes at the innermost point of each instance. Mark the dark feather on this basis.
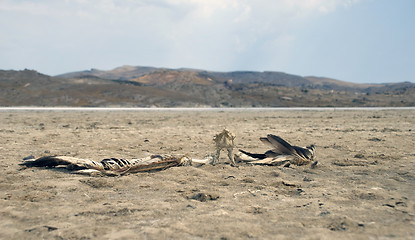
(280, 145)
(48, 161)
(254, 155)
(265, 141)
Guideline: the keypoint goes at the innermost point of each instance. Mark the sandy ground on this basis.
(363, 187)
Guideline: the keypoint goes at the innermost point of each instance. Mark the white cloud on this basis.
(163, 32)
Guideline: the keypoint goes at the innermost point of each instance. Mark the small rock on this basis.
(324, 213)
(402, 204)
(275, 174)
(50, 228)
(306, 179)
(203, 197)
(359, 155)
(375, 139)
(248, 180)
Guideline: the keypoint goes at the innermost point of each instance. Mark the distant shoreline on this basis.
(6, 109)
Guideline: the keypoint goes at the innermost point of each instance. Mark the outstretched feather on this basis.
(280, 145)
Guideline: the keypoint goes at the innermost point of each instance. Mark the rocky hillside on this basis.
(130, 86)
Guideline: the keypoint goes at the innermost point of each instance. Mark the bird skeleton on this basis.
(281, 153)
(119, 166)
(110, 166)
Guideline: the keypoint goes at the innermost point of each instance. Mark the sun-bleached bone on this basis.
(273, 161)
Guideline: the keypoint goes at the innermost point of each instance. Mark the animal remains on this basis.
(281, 153)
(110, 166)
(119, 166)
(224, 140)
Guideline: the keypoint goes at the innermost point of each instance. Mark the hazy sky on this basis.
(351, 40)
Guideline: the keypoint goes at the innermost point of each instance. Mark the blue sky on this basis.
(366, 41)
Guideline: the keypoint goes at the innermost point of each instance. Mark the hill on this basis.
(121, 73)
(131, 86)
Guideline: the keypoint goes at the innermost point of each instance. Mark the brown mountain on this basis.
(333, 84)
(120, 73)
(146, 86)
(164, 77)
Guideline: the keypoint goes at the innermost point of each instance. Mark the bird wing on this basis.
(110, 166)
(280, 145)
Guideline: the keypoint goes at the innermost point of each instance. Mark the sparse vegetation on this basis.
(192, 88)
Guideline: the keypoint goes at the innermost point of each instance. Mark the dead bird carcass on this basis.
(281, 153)
(110, 166)
(120, 166)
